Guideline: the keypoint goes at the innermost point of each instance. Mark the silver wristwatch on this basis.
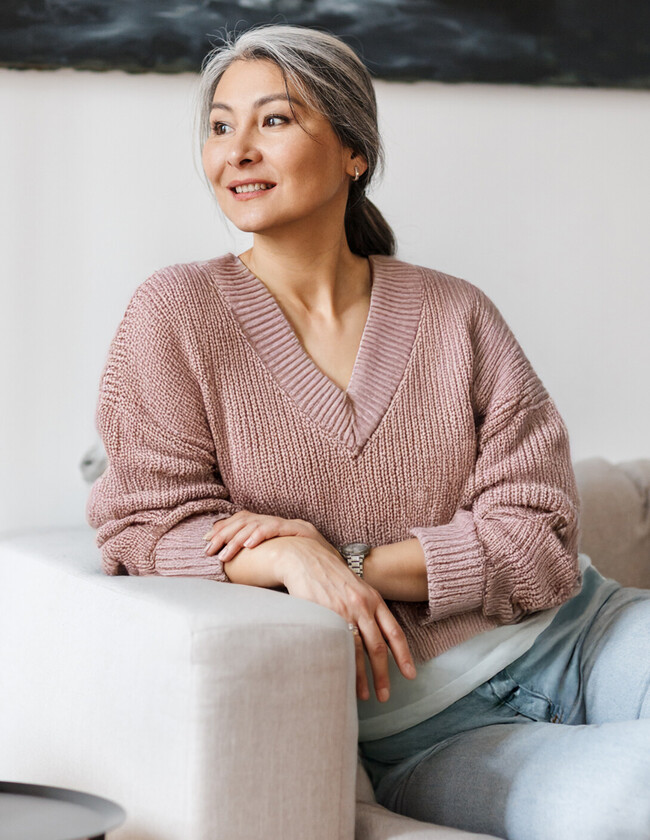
(355, 553)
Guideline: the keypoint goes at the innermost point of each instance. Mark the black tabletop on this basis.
(40, 812)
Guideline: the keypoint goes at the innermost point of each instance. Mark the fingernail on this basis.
(207, 548)
(222, 553)
(410, 670)
(382, 695)
(207, 536)
(248, 542)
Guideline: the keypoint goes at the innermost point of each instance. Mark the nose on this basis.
(244, 149)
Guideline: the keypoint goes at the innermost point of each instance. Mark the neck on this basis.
(310, 277)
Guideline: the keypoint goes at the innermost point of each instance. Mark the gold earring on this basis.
(356, 174)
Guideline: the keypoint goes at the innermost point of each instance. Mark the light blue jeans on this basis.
(556, 746)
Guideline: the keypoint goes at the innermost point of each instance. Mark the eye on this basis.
(217, 126)
(277, 117)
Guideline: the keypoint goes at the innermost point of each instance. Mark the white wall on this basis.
(539, 196)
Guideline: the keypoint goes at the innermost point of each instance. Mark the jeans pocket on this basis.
(523, 700)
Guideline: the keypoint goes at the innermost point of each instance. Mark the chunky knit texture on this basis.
(209, 404)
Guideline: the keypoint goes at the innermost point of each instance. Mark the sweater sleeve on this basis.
(512, 548)
(162, 489)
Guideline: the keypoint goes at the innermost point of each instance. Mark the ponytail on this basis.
(366, 229)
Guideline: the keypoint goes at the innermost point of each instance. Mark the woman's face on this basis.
(255, 141)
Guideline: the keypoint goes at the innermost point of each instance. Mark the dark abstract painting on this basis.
(550, 42)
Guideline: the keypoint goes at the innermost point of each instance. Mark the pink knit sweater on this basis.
(209, 404)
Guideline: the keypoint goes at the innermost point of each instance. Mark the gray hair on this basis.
(331, 78)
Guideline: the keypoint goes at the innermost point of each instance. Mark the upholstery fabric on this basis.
(207, 712)
(615, 518)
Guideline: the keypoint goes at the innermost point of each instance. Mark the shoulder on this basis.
(182, 298)
(453, 293)
(176, 303)
(182, 284)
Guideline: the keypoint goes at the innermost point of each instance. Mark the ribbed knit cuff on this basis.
(180, 552)
(455, 566)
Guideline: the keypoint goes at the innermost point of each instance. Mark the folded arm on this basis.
(511, 548)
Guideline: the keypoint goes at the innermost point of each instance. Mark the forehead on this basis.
(248, 79)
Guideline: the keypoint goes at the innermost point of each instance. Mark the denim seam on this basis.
(578, 648)
(397, 786)
(586, 630)
(643, 694)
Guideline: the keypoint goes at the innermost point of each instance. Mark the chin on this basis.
(250, 227)
(260, 225)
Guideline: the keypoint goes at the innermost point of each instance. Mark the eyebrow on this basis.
(271, 97)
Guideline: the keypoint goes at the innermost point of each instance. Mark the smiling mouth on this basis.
(246, 189)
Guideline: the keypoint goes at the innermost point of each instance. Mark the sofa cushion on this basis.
(615, 518)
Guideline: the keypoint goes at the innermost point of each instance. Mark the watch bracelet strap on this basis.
(355, 564)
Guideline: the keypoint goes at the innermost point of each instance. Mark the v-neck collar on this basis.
(388, 336)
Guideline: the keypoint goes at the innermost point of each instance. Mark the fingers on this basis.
(240, 524)
(311, 572)
(233, 544)
(377, 650)
(396, 639)
(219, 531)
(243, 533)
(246, 529)
(381, 631)
(363, 692)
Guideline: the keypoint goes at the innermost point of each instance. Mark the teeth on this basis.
(252, 187)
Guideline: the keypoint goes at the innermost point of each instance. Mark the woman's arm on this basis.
(398, 571)
(162, 489)
(511, 547)
(314, 570)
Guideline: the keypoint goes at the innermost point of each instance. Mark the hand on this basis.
(309, 570)
(247, 529)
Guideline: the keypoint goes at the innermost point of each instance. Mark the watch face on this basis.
(350, 549)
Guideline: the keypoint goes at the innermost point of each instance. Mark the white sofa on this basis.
(216, 712)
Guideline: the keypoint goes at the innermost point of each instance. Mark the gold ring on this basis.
(353, 628)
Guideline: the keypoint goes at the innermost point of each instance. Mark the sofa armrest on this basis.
(170, 696)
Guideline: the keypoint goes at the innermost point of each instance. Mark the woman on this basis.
(356, 429)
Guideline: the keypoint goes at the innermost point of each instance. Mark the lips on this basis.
(252, 194)
(268, 184)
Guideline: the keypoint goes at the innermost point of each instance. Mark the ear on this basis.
(359, 161)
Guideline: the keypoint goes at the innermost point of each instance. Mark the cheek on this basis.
(209, 160)
(321, 164)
